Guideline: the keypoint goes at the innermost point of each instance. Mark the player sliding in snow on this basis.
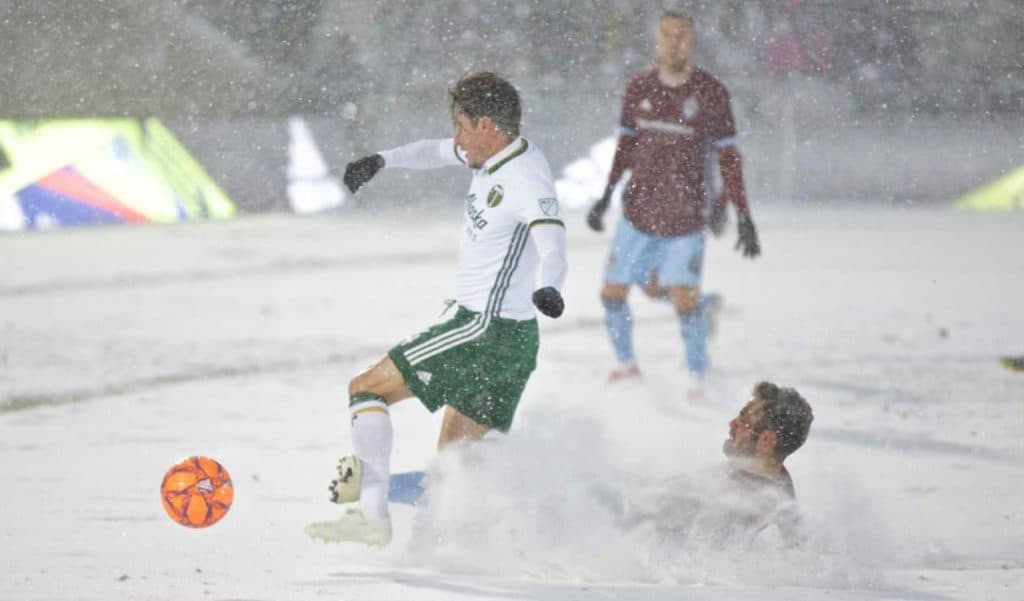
(756, 491)
(478, 362)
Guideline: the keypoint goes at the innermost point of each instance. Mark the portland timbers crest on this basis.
(495, 195)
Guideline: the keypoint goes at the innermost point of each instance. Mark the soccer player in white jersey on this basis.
(511, 260)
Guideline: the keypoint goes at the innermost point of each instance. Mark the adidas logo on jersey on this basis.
(424, 376)
(645, 105)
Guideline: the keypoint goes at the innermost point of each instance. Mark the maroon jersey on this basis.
(667, 134)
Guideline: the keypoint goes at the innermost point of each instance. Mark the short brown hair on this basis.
(786, 413)
(677, 14)
(485, 94)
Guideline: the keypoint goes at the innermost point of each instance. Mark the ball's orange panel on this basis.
(176, 503)
(197, 510)
(216, 513)
(225, 494)
(211, 467)
(170, 509)
(197, 492)
(179, 480)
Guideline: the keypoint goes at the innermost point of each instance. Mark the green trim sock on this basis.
(372, 437)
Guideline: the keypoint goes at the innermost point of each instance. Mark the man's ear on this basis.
(766, 443)
(485, 123)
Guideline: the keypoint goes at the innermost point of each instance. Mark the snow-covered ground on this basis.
(125, 349)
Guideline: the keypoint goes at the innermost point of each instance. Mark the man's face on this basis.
(472, 138)
(674, 42)
(744, 431)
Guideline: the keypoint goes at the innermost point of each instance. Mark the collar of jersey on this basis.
(506, 154)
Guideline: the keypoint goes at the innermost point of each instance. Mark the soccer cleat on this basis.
(345, 488)
(353, 527)
(1014, 363)
(624, 372)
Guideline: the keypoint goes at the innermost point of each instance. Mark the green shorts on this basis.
(478, 366)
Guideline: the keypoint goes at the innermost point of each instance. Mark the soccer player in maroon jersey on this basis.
(674, 116)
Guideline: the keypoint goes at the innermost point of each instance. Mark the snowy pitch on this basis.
(124, 349)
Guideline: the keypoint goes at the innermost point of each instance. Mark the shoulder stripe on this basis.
(557, 222)
(522, 148)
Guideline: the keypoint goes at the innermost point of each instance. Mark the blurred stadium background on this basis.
(903, 101)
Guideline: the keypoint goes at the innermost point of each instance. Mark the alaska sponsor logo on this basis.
(495, 195)
(476, 217)
(548, 206)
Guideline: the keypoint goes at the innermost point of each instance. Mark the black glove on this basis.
(549, 301)
(747, 242)
(595, 218)
(360, 171)
(718, 217)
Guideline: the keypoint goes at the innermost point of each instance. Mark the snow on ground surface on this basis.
(125, 349)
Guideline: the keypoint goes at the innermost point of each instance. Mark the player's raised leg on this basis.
(366, 476)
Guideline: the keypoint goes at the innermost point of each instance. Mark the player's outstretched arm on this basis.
(360, 171)
(549, 238)
(422, 154)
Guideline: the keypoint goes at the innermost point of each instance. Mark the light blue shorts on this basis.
(635, 255)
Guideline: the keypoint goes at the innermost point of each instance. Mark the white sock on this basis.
(372, 438)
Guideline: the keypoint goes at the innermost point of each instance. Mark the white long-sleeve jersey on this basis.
(511, 226)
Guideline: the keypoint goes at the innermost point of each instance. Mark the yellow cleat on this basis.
(1014, 363)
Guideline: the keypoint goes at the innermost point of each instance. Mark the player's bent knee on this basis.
(614, 294)
(382, 379)
(373, 379)
(685, 299)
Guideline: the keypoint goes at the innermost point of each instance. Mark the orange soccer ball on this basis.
(197, 492)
